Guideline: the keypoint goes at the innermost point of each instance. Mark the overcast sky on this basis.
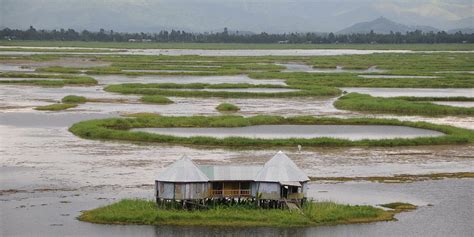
(214, 15)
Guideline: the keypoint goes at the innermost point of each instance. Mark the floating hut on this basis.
(274, 184)
(182, 180)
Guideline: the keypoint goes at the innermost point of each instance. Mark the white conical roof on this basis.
(183, 170)
(281, 169)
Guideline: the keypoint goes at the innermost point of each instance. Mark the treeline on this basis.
(236, 37)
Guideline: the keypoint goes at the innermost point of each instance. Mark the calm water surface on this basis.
(298, 67)
(352, 132)
(53, 213)
(119, 79)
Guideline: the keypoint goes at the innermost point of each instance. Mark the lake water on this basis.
(298, 67)
(44, 160)
(14, 68)
(26, 79)
(119, 79)
(250, 90)
(352, 132)
(225, 52)
(53, 213)
(206, 52)
(465, 104)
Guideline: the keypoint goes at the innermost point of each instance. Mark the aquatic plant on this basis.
(399, 206)
(56, 107)
(74, 99)
(118, 129)
(51, 79)
(168, 89)
(399, 178)
(226, 107)
(400, 105)
(156, 99)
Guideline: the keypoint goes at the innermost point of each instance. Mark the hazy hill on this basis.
(384, 25)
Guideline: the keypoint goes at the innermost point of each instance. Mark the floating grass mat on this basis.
(427, 98)
(400, 178)
(400, 105)
(145, 212)
(411, 64)
(118, 129)
(59, 50)
(227, 107)
(399, 206)
(353, 80)
(170, 89)
(74, 99)
(56, 107)
(156, 99)
(47, 79)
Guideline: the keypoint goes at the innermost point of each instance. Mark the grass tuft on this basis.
(227, 107)
(156, 99)
(367, 103)
(74, 99)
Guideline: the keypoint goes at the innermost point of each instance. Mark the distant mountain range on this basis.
(271, 16)
(463, 30)
(383, 25)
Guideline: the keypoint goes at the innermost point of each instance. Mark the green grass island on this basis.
(145, 212)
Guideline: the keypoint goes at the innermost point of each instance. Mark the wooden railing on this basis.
(229, 192)
(296, 196)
